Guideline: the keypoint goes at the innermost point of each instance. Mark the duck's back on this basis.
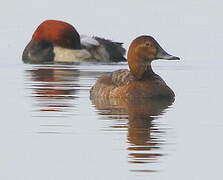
(122, 84)
(115, 50)
(103, 49)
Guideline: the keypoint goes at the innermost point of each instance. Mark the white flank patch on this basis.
(70, 55)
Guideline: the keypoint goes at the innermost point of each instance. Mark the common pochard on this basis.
(140, 80)
(58, 41)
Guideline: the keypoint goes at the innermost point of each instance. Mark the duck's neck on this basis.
(140, 70)
(148, 71)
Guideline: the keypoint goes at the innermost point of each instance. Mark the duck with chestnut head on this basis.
(140, 80)
(58, 41)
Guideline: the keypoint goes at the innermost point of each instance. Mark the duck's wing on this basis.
(103, 49)
(102, 87)
(107, 83)
(121, 77)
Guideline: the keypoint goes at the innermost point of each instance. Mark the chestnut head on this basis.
(142, 51)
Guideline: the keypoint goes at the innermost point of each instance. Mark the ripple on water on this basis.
(56, 90)
(145, 136)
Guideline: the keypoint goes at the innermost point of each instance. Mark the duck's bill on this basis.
(168, 57)
(164, 55)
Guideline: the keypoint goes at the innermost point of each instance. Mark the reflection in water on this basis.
(144, 136)
(53, 88)
(56, 92)
(53, 92)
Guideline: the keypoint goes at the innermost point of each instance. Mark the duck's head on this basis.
(58, 33)
(142, 51)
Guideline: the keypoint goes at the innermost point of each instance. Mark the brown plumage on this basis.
(140, 81)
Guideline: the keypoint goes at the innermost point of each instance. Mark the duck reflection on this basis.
(53, 88)
(144, 140)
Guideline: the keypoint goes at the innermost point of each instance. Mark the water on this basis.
(51, 129)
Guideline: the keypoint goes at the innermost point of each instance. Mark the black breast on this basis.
(40, 52)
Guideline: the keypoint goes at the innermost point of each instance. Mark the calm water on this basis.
(51, 130)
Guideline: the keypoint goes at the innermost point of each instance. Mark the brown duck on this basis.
(140, 80)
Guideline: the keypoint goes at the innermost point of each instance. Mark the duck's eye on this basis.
(148, 44)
